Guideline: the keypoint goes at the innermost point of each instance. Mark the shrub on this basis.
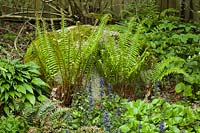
(20, 85)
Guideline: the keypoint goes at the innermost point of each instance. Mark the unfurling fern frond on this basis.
(164, 68)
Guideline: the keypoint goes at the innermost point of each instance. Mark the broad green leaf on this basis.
(28, 87)
(31, 98)
(187, 91)
(39, 82)
(198, 92)
(177, 120)
(174, 129)
(11, 93)
(6, 86)
(11, 106)
(2, 69)
(18, 94)
(124, 128)
(35, 71)
(6, 110)
(21, 88)
(190, 79)
(42, 98)
(2, 90)
(180, 87)
(9, 76)
(6, 96)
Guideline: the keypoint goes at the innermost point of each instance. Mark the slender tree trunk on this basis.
(183, 9)
(191, 15)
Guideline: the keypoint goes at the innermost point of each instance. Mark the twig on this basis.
(15, 42)
(22, 18)
(33, 12)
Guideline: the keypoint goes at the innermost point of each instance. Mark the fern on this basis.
(163, 68)
(66, 56)
(122, 58)
(47, 116)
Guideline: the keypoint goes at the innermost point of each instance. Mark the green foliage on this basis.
(174, 38)
(165, 68)
(19, 85)
(128, 60)
(84, 114)
(122, 58)
(66, 57)
(9, 36)
(13, 124)
(141, 9)
(166, 38)
(190, 85)
(176, 117)
(47, 116)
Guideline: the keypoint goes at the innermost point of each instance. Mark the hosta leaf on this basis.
(8, 75)
(21, 88)
(11, 93)
(28, 87)
(6, 86)
(42, 98)
(2, 90)
(6, 96)
(39, 82)
(11, 106)
(35, 71)
(6, 110)
(2, 69)
(31, 98)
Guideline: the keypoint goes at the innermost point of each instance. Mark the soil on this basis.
(15, 38)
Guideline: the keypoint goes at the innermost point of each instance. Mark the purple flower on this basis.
(90, 104)
(90, 88)
(101, 87)
(161, 127)
(109, 88)
(101, 83)
(139, 127)
(67, 131)
(106, 122)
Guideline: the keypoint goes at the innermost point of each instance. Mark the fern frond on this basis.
(171, 70)
(141, 61)
(163, 68)
(47, 116)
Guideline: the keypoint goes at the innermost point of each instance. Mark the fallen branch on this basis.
(25, 18)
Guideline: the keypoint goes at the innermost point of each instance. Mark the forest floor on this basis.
(14, 39)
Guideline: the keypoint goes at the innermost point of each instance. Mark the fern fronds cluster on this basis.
(165, 68)
(70, 55)
(48, 116)
(67, 56)
(122, 58)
